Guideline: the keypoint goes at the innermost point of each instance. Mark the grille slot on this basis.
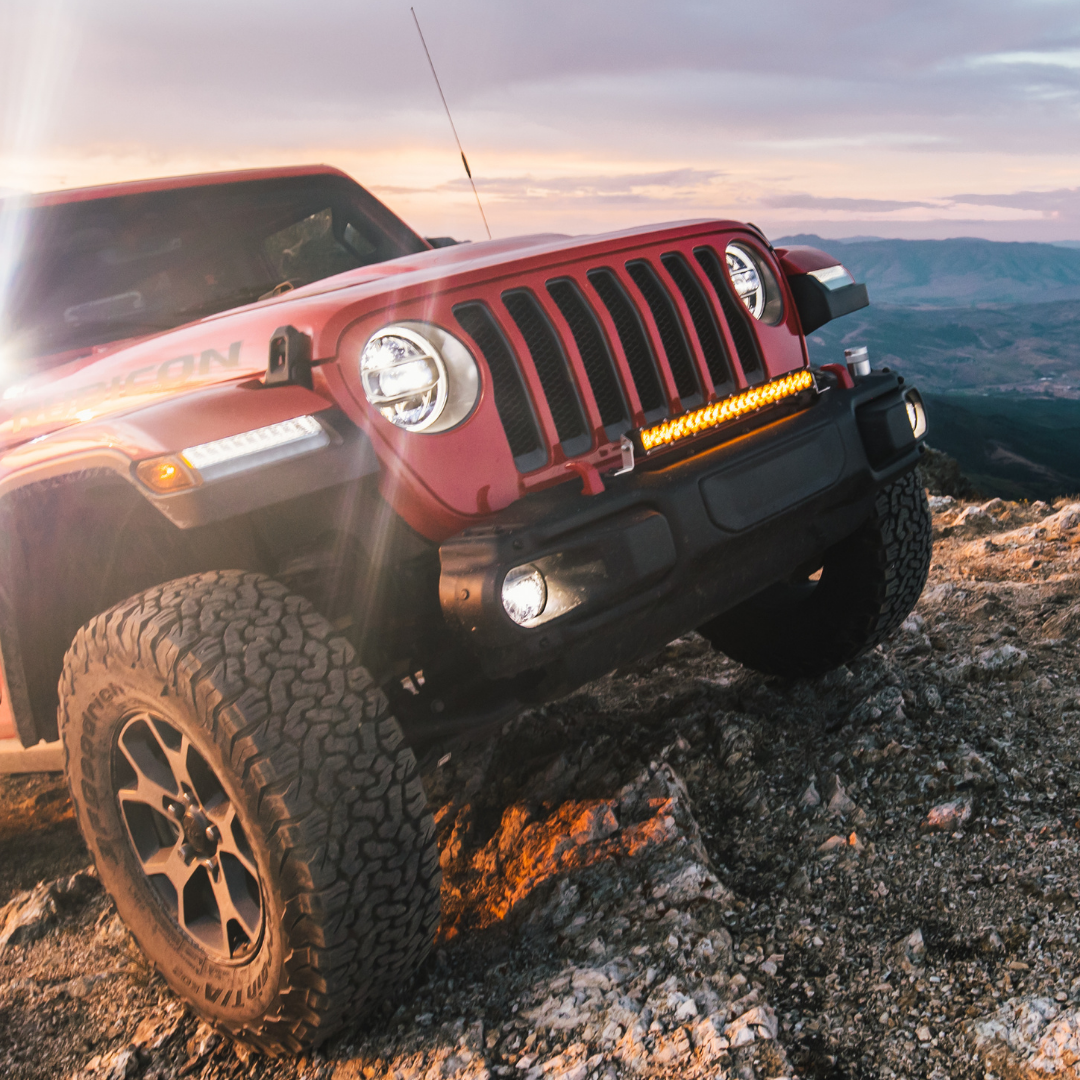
(631, 333)
(551, 365)
(595, 356)
(734, 312)
(511, 399)
(667, 323)
(712, 344)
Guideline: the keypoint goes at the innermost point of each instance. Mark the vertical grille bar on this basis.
(631, 333)
(593, 349)
(511, 398)
(734, 313)
(701, 312)
(552, 368)
(667, 323)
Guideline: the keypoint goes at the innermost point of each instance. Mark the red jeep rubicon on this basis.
(285, 487)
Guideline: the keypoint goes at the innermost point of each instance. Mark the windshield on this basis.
(96, 271)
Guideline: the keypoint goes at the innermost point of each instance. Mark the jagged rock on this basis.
(799, 883)
(948, 817)
(912, 951)
(1029, 1038)
(757, 1023)
(1006, 661)
(840, 804)
(29, 915)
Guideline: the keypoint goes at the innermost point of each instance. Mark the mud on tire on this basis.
(869, 583)
(250, 804)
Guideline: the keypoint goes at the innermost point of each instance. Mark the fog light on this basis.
(524, 594)
(916, 414)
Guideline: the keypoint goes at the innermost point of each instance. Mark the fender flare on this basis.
(349, 457)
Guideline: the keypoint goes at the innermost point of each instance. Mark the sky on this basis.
(840, 117)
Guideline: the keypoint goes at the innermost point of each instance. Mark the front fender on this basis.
(120, 443)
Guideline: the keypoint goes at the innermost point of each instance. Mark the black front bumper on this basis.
(666, 548)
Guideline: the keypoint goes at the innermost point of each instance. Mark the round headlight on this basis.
(419, 377)
(755, 283)
(524, 594)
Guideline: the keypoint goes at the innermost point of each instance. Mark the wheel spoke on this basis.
(232, 911)
(224, 817)
(169, 863)
(177, 759)
(147, 791)
(187, 836)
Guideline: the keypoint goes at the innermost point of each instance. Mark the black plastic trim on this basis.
(817, 304)
(738, 525)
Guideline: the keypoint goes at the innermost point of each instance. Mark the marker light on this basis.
(524, 594)
(164, 475)
(257, 447)
(720, 412)
(833, 277)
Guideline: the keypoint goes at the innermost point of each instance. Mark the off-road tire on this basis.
(869, 583)
(325, 791)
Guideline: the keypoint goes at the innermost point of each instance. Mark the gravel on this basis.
(688, 869)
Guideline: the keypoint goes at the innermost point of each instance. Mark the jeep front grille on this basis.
(594, 352)
(738, 318)
(701, 313)
(667, 324)
(511, 400)
(639, 356)
(646, 340)
(551, 366)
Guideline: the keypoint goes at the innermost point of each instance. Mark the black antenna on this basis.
(464, 160)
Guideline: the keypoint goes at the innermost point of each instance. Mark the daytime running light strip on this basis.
(719, 412)
(208, 454)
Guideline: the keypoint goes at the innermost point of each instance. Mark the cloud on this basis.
(802, 201)
(1062, 202)
(583, 113)
(1060, 58)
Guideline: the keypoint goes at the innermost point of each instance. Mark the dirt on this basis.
(689, 869)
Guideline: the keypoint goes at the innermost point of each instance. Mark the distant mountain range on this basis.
(951, 273)
(990, 332)
(1015, 348)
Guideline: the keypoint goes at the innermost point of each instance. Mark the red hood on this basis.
(127, 375)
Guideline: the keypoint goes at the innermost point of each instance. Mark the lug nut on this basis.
(212, 834)
(187, 852)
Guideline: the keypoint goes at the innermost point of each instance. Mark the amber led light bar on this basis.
(719, 412)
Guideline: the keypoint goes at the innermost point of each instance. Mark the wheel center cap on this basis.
(199, 834)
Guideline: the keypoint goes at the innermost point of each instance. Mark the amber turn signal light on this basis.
(164, 475)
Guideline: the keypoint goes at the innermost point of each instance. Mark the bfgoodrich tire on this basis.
(250, 805)
(868, 585)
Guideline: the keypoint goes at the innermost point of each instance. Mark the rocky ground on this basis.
(688, 869)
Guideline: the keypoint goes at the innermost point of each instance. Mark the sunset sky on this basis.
(842, 117)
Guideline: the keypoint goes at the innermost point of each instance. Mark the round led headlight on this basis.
(755, 283)
(524, 594)
(419, 377)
